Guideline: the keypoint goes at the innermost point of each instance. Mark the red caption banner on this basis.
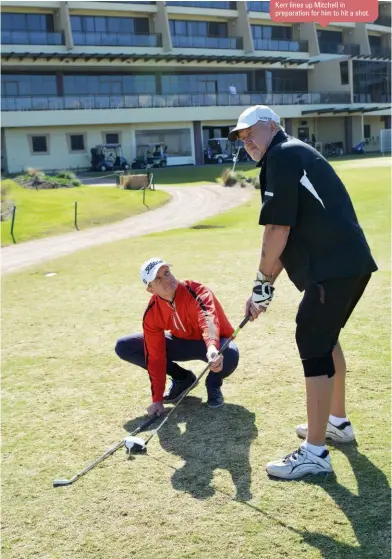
(324, 12)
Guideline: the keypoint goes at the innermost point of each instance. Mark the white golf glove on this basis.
(262, 291)
(214, 359)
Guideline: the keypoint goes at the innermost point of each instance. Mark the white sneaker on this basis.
(300, 463)
(342, 434)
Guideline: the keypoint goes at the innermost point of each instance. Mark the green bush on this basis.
(66, 175)
(228, 177)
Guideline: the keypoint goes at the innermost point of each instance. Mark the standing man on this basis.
(311, 231)
(183, 321)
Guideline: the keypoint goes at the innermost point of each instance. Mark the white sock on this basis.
(337, 421)
(317, 450)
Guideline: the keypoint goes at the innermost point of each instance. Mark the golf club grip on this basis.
(146, 424)
(245, 321)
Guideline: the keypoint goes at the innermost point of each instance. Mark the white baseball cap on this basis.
(150, 268)
(252, 115)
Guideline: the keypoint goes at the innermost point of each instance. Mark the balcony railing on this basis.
(31, 38)
(116, 39)
(380, 51)
(258, 6)
(372, 98)
(199, 42)
(383, 20)
(338, 48)
(205, 5)
(146, 101)
(281, 45)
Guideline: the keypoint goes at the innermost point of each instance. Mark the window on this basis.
(177, 140)
(198, 28)
(39, 144)
(27, 22)
(216, 29)
(141, 25)
(107, 84)
(203, 83)
(112, 138)
(18, 85)
(344, 73)
(366, 131)
(76, 142)
(100, 24)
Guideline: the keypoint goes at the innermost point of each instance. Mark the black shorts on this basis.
(324, 311)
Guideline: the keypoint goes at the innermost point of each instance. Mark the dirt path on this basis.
(187, 206)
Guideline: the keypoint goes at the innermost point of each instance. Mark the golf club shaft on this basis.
(221, 350)
(112, 450)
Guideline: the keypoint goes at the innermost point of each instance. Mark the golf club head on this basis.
(135, 445)
(61, 482)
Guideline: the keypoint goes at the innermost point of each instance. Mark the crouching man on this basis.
(183, 321)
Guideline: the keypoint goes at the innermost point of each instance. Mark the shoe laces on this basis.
(293, 455)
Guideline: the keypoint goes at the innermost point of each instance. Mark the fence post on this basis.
(76, 216)
(144, 198)
(12, 223)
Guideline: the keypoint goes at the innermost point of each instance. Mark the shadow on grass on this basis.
(207, 440)
(369, 512)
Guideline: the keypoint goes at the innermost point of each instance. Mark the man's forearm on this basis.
(274, 242)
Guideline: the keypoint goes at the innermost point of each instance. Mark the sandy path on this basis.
(187, 206)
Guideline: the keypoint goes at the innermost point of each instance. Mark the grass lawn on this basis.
(201, 492)
(201, 174)
(40, 213)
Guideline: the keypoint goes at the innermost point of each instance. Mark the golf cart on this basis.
(108, 157)
(220, 150)
(150, 155)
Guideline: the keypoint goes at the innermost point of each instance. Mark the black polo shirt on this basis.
(300, 188)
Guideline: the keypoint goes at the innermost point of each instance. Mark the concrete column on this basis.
(307, 32)
(348, 134)
(351, 79)
(4, 161)
(65, 25)
(358, 36)
(240, 27)
(161, 23)
(198, 141)
(288, 126)
(357, 129)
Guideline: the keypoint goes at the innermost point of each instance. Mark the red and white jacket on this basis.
(195, 314)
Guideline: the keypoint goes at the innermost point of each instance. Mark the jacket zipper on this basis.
(178, 317)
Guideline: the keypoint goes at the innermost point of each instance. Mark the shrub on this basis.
(66, 175)
(256, 182)
(229, 178)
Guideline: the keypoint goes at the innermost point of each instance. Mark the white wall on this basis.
(330, 129)
(20, 157)
(376, 125)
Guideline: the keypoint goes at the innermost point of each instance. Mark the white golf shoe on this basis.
(342, 434)
(300, 463)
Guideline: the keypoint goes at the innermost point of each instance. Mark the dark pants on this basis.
(131, 349)
(323, 312)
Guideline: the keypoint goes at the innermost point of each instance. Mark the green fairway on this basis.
(41, 213)
(201, 492)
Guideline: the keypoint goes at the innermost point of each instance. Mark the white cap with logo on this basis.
(150, 268)
(252, 115)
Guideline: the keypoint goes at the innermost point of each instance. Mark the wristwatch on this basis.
(264, 277)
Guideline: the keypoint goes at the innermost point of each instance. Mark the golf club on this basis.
(138, 447)
(136, 443)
